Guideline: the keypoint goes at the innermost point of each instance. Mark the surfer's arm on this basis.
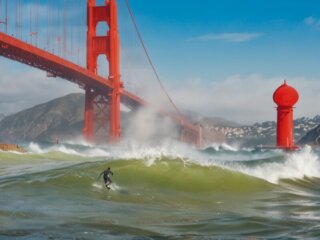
(101, 174)
(111, 173)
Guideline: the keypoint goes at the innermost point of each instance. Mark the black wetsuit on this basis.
(106, 177)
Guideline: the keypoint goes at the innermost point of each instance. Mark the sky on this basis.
(218, 58)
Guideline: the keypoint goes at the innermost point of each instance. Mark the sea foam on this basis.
(297, 165)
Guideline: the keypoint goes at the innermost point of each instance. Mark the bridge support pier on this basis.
(107, 45)
(115, 128)
(88, 131)
(192, 136)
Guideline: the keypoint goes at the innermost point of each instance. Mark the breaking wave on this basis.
(159, 171)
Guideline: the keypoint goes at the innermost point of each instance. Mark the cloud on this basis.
(244, 99)
(309, 21)
(312, 22)
(229, 37)
(24, 87)
(139, 78)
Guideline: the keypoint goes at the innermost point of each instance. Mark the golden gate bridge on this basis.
(20, 41)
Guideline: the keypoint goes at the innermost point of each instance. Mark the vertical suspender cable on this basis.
(79, 43)
(47, 30)
(21, 17)
(58, 38)
(3, 15)
(64, 29)
(53, 24)
(83, 45)
(18, 19)
(37, 22)
(71, 39)
(30, 22)
(6, 17)
(15, 6)
(0, 15)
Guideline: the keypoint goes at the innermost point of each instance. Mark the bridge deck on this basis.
(25, 53)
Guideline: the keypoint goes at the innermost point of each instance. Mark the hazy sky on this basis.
(220, 58)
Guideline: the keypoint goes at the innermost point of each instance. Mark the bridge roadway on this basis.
(25, 53)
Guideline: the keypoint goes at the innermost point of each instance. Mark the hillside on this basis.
(211, 126)
(63, 118)
(59, 118)
(312, 137)
(263, 133)
(220, 130)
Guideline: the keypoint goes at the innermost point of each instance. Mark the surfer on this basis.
(106, 177)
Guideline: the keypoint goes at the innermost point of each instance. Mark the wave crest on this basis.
(296, 165)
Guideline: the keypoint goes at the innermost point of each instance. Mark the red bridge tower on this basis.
(97, 105)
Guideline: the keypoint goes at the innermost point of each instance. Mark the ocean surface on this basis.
(159, 192)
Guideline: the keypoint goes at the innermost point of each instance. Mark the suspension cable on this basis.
(19, 25)
(47, 28)
(149, 58)
(5, 22)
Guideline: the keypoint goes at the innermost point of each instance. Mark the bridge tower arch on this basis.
(107, 45)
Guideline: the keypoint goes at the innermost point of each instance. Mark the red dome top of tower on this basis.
(285, 95)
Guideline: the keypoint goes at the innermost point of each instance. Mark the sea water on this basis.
(159, 192)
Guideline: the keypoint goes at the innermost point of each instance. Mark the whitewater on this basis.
(171, 191)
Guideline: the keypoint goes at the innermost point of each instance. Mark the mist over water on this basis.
(146, 127)
(167, 190)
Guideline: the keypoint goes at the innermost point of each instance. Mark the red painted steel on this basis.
(88, 130)
(56, 66)
(109, 46)
(114, 71)
(93, 84)
(25, 53)
(285, 97)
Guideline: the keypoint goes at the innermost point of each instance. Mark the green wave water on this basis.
(158, 193)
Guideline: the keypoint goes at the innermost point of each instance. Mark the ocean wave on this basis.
(296, 165)
(270, 166)
(157, 176)
(70, 149)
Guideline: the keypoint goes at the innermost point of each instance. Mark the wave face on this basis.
(168, 191)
